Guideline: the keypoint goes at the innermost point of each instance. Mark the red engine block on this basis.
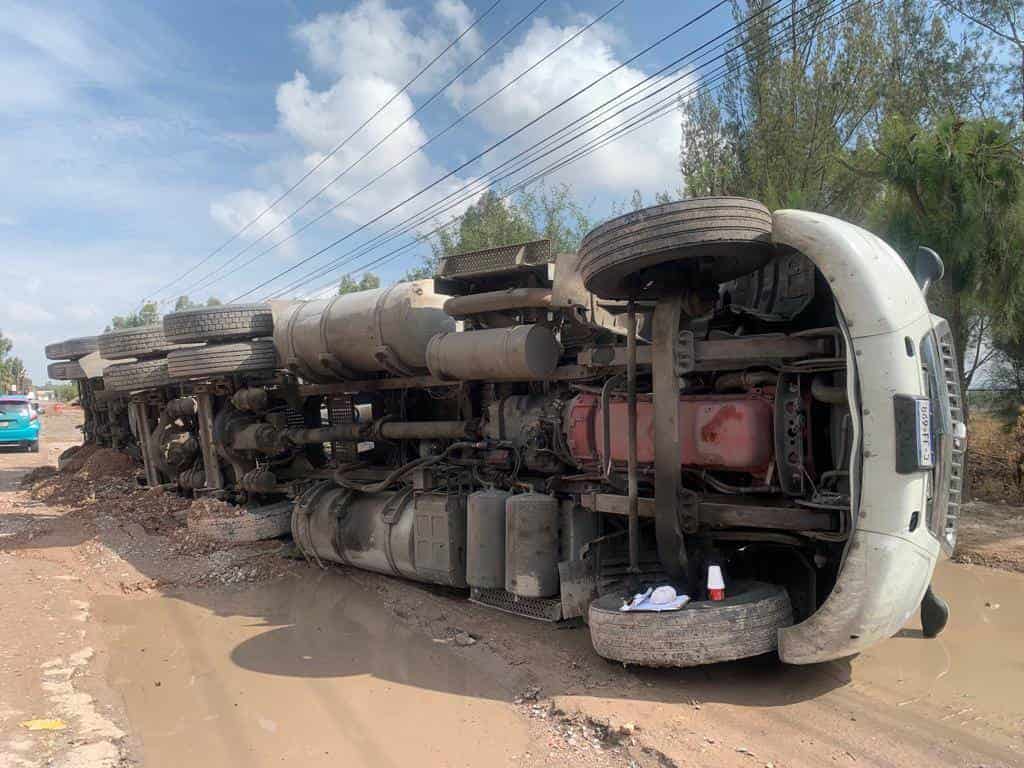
(729, 432)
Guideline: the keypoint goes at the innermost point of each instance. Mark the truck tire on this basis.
(660, 250)
(249, 525)
(71, 349)
(745, 624)
(133, 377)
(69, 371)
(229, 322)
(222, 359)
(142, 343)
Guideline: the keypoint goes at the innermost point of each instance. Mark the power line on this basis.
(482, 183)
(426, 143)
(334, 151)
(493, 146)
(205, 281)
(660, 109)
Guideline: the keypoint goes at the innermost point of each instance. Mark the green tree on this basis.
(1000, 21)
(807, 91)
(548, 213)
(6, 377)
(184, 302)
(349, 284)
(149, 314)
(14, 375)
(65, 391)
(958, 188)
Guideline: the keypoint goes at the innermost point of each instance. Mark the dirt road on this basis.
(143, 648)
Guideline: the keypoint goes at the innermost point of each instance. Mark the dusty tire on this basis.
(222, 359)
(69, 371)
(744, 624)
(71, 349)
(142, 343)
(250, 524)
(229, 322)
(657, 251)
(133, 377)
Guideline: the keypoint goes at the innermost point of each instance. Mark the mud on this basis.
(152, 653)
(305, 670)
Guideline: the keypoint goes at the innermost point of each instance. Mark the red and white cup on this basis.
(716, 584)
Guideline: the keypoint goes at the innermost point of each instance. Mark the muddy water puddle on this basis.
(311, 669)
(975, 666)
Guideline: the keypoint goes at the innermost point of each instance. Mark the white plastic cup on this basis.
(716, 584)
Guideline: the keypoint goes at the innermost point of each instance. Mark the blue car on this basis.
(19, 422)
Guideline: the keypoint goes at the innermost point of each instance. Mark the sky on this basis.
(137, 139)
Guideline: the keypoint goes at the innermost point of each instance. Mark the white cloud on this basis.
(376, 40)
(646, 159)
(234, 211)
(368, 52)
(24, 312)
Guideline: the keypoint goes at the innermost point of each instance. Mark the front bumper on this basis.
(21, 435)
(879, 588)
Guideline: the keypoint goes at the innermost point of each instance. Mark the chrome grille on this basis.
(956, 409)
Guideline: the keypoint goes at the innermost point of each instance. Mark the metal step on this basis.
(538, 608)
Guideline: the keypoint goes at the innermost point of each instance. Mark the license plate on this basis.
(4, 424)
(925, 457)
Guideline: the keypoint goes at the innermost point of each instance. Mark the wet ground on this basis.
(342, 667)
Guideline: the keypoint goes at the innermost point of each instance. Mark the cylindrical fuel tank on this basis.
(519, 353)
(362, 333)
(417, 536)
(531, 545)
(485, 539)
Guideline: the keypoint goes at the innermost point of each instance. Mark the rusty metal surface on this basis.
(728, 431)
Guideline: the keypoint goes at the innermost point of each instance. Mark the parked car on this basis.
(19, 422)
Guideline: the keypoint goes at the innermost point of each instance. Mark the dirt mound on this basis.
(207, 508)
(37, 474)
(990, 468)
(106, 463)
(148, 528)
(74, 458)
(992, 535)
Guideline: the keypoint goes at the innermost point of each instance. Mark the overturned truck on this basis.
(704, 383)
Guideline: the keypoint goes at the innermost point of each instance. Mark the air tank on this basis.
(485, 539)
(531, 545)
(359, 334)
(519, 353)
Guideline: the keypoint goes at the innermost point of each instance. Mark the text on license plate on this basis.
(924, 433)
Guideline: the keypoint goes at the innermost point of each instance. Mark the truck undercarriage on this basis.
(552, 431)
